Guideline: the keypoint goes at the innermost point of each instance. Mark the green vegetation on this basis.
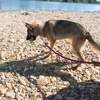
(83, 1)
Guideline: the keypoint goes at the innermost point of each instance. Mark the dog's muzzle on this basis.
(31, 37)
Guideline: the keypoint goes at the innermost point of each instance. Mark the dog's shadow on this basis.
(75, 91)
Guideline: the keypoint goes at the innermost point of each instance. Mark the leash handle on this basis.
(96, 63)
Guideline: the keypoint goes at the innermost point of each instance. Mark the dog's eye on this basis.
(29, 31)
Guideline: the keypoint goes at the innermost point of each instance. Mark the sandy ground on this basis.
(24, 76)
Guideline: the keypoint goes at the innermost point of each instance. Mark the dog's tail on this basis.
(92, 42)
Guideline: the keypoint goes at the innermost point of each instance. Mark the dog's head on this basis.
(31, 31)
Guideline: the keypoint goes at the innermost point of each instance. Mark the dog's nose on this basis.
(34, 38)
(31, 37)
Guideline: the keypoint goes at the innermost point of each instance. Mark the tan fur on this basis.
(62, 29)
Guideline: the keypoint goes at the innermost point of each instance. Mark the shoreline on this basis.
(18, 10)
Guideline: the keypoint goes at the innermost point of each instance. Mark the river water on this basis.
(45, 5)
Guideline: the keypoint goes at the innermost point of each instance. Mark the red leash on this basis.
(95, 63)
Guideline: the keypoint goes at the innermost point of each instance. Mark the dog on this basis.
(62, 29)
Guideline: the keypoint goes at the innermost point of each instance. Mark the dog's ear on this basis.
(28, 26)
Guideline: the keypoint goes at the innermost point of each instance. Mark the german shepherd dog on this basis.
(62, 29)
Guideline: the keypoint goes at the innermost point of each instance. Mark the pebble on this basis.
(12, 40)
(44, 88)
(88, 72)
(3, 55)
(42, 81)
(22, 81)
(10, 94)
(95, 70)
(53, 79)
(25, 69)
(3, 76)
(21, 41)
(58, 97)
(66, 83)
(18, 97)
(69, 98)
(48, 94)
(33, 77)
(15, 89)
(3, 91)
(8, 85)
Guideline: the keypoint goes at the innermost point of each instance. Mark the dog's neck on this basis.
(41, 26)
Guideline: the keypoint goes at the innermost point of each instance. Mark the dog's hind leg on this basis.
(77, 44)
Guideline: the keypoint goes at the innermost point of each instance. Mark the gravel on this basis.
(25, 76)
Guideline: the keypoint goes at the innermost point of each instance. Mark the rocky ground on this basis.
(25, 76)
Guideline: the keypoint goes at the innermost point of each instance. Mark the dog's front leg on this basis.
(52, 42)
